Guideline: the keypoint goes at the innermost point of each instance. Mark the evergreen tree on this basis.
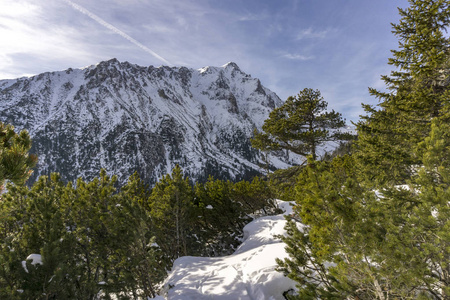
(90, 220)
(94, 241)
(15, 161)
(416, 219)
(220, 218)
(141, 259)
(405, 142)
(224, 208)
(35, 225)
(418, 92)
(255, 197)
(300, 125)
(433, 180)
(381, 231)
(171, 207)
(328, 254)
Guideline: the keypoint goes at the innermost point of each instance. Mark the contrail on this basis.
(115, 30)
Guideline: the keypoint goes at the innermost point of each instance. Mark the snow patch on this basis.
(249, 273)
(35, 260)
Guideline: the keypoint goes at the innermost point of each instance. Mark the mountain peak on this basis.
(112, 61)
(232, 65)
(125, 118)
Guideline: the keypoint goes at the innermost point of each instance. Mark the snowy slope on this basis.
(126, 118)
(247, 274)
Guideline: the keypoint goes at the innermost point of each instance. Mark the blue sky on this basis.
(340, 47)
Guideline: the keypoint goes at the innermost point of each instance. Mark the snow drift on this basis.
(249, 273)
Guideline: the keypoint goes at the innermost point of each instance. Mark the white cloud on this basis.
(252, 17)
(297, 56)
(159, 29)
(17, 9)
(310, 33)
(32, 41)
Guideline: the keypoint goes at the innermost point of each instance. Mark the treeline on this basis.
(94, 240)
(378, 218)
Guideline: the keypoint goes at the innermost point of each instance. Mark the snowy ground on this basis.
(249, 273)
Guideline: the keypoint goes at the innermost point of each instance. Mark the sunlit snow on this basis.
(35, 259)
(249, 273)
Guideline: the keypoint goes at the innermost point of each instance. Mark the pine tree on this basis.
(93, 240)
(141, 259)
(328, 254)
(418, 92)
(433, 180)
(255, 197)
(15, 161)
(405, 141)
(300, 125)
(35, 225)
(221, 219)
(171, 206)
(416, 219)
(392, 243)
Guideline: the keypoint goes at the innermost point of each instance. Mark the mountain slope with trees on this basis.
(126, 118)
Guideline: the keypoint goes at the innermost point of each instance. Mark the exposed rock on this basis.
(126, 118)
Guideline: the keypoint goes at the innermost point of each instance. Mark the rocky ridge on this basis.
(126, 118)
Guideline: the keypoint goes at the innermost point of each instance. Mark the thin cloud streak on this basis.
(116, 30)
(310, 33)
(297, 57)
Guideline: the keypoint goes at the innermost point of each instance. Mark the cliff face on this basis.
(128, 118)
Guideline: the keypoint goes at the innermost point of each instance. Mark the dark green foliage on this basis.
(378, 220)
(15, 161)
(171, 207)
(93, 239)
(282, 182)
(418, 93)
(140, 262)
(206, 219)
(356, 244)
(97, 240)
(300, 125)
(406, 142)
(255, 197)
(344, 147)
(327, 257)
(301, 266)
(224, 208)
(418, 224)
(220, 218)
(34, 224)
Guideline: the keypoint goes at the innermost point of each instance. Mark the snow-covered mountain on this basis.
(127, 118)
